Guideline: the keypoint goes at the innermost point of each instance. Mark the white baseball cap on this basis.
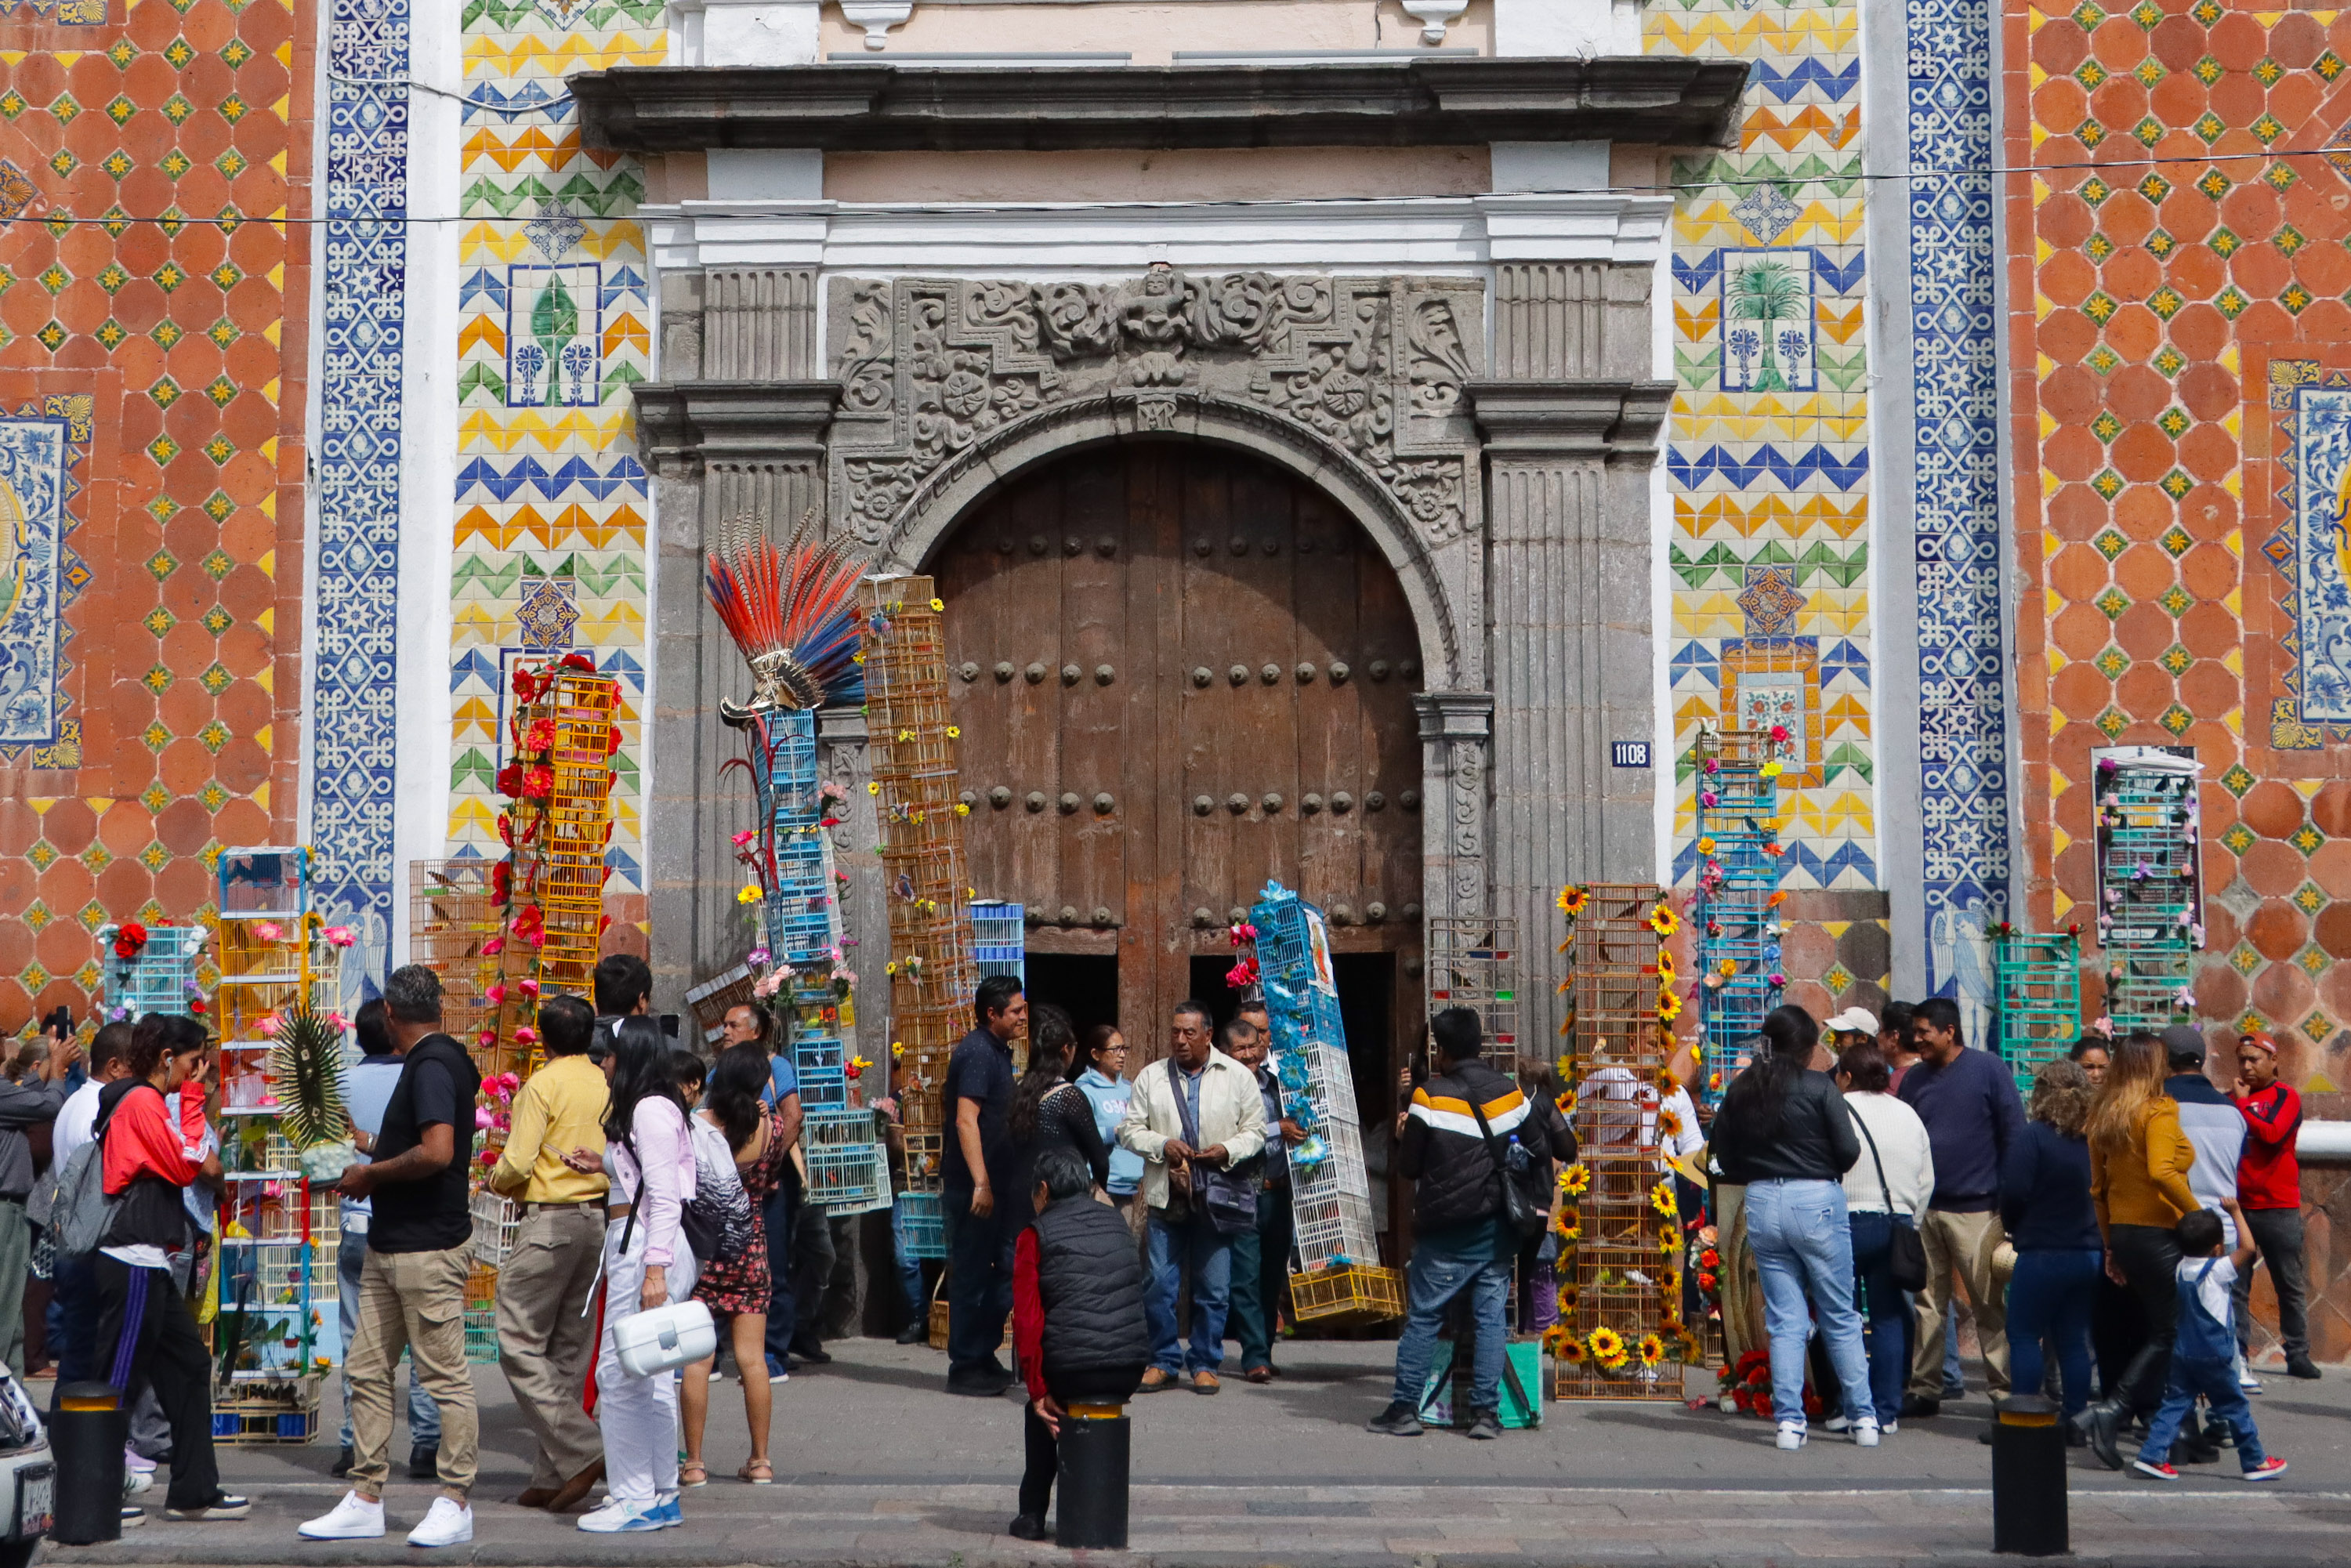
(1853, 1020)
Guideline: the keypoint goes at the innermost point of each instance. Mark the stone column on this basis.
(1456, 740)
(735, 430)
(1569, 439)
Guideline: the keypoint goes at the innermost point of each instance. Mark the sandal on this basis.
(759, 1472)
(692, 1475)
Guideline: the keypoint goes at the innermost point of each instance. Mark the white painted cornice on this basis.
(1440, 232)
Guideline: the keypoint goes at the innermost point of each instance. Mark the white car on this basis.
(28, 1475)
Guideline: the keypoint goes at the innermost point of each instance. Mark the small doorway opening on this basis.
(1084, 986)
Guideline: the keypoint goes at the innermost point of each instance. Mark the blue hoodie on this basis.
(1108, 1096)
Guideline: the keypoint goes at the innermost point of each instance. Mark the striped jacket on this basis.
(1447, 1158)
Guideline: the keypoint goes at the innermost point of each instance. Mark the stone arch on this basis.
(1448, 646)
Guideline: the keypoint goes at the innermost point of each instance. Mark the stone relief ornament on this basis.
(930, 368)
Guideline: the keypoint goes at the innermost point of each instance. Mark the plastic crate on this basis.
(496, 1223)
(823, 1088)
(919, 1221)
(1358, 1293)
(1000, 943)
(482, 1335)
(257, 883)
(848, 1167)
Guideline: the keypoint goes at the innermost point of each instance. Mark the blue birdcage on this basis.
(1000, 943)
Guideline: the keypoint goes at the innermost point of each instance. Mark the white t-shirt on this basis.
(74, 1124)
(2213, 1288)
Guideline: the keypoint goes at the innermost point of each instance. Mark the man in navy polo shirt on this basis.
(975, 1171)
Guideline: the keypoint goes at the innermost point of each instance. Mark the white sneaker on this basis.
(1792, 1435)
(2249, 1383)
(1838, 1424)
(132, 1459)
(354, 1519)
(450, 1524)
(1891, 1428)
(136, 1481)
(1864, 1433)
(617, 1518)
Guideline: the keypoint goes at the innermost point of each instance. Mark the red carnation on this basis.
(539, 783)
(542, 735)
(510, 780)
(577, 662)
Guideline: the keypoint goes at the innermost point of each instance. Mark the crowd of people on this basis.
(2103, 1233)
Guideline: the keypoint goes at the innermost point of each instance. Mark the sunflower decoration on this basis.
(1607, 1347)
(1692, 1349)
(1667, 973)
(1571, 1351)
(1568, 1297)
(1572, 900)
(1669, 1006)
(1567, 1227)
(1669, 1243)
(1669, 1122)
(1555, 1338)
(1652, 1351)
(1665, 1081)
(1662, 919)
(1566, 1104)
(1661, 1198)
(1575, 1180)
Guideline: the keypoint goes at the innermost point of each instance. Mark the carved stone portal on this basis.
(1371, 367)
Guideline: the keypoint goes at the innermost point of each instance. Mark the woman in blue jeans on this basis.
(1886, 1188)
(2046, 1208)
(1785, 1135)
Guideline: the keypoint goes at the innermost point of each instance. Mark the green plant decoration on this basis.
(306, 1070)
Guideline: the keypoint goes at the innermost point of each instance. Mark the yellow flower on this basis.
(897, 1049)
(1555, 1339)
(938, 604)
(1662, 920)
(1567, 1102)
(1667, 973)
(1652, 1350)
(1661, 1198)
(1566, 1227)
(954, 732)
(963, 809)
(1669, 1006)
(856, 658)
(1574, 1179)
(1567, 1300)
(1572, 1351)
(748, 893)
(1771, 768)
(1572, 900)
(1706, 846)
(873, 787)
(1607, 1348)
(905, 735)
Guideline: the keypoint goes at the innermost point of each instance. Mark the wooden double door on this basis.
(1180, 673)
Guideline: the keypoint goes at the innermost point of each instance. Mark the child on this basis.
(1077, 1317)
(2203, 1354)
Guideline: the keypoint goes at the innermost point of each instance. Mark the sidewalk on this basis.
(876, 1466)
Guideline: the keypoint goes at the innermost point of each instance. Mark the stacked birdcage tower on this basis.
(1338, 1277)
(1473, 962)
(1620, 1333)
(276, 1233)
(848, 1167)
(911, 746)
(584, 707)
(2039, 980)
(2150, 895)
(451, 915)
(1736, 913)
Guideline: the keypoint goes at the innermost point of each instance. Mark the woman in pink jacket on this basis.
(649, 1156)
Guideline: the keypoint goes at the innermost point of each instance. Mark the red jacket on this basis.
(1028, 1315)
(142, 1140)
(2268, 1174)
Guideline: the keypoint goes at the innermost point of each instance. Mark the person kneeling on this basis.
(1077, 1317)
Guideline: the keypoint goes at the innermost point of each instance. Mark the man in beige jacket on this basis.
(1194, 1117)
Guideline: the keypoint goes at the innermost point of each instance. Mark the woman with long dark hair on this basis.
(1047, 1110)
(2139, 1160)
(649, 1155)
(733, 1114)
(1785, 1134)
(2046, 1209)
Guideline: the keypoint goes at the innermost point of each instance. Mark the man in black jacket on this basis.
(1077, 1317)
(1469, 1131)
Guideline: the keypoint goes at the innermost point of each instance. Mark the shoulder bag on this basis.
(1905, 1250)
(1528, 1212)
(1228, 1197)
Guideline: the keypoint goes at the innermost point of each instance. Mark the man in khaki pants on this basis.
(412, 1286)
(545, 1340)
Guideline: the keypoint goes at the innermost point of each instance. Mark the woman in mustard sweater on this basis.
(2139, 1179)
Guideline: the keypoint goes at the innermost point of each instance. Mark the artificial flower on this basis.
(541, 736)
(494, 995)
(527, 1035)
(1772, 770)
(1576, 1179)
(1566, 1103)
(339, 935)
(1669, 1122)
(1572, 1351)
(538, 782)
(747, 894)
(1555, 1338)
(1652, 1350)
(745, 837)
(509, 781)
(1669, 1006)
(1663, 920)
(938, 604)
(954, 732)
(1706, 846)
(1661, 1198)
(873, 787)
(1779, 733)
(267, 931)
(1607, 1348)
(1667, 973)
(1569, 1295)
(1566, 1225)
(1572, 900)
(529, 987)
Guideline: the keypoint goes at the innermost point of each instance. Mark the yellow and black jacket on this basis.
(1447, 1156)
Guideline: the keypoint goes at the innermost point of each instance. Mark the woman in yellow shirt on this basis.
(2139, 1160)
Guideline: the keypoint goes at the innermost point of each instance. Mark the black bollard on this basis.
(2028, 1478)
(1095, 1451)
(86, 1432)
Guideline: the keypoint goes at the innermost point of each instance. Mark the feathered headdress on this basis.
(788, 609)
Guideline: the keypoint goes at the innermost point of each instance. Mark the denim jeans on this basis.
(910, 1267)
(2216, 1380)
(1803, 1245)
(1885, 1307)
(1436, 1277)
(423, 1416)
(782, 1319)
(1190, 1251)
(2049, 1297)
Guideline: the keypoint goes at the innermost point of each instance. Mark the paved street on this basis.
(876, 1466)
